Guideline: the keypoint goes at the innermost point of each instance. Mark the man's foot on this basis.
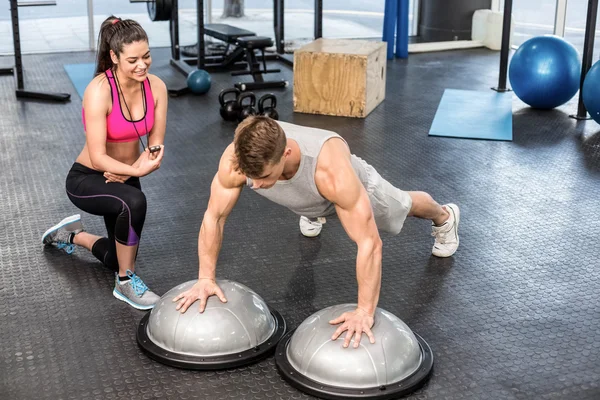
(134, 292)
(310, 227)
(61, 235)
(446, 235)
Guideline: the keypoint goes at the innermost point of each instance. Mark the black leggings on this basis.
(123, 206)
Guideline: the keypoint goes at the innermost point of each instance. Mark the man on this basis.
(312, 172)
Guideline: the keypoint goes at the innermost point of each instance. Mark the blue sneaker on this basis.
(60, 234)
(135, 292)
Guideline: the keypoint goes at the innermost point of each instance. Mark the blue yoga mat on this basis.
(81, 75)
(474, 115)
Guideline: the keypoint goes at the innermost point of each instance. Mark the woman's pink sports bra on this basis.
(118, 128)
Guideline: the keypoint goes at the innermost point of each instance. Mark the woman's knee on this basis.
(104, 251)
(137, 204)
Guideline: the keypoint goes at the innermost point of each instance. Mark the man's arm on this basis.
(337, 182)
(224, 192)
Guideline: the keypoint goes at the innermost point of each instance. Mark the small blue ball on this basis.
(199, 81)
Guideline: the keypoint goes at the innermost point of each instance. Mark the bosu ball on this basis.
(226, 335)
(398, 363)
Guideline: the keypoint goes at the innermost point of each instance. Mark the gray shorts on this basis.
(390, 205)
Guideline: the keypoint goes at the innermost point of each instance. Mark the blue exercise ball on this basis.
(545, 72)
(591, 92)
(199, 81)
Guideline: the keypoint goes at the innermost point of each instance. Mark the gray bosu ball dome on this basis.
(398, 363)
(226, 335)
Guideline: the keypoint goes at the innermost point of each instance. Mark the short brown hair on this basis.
(258, 141)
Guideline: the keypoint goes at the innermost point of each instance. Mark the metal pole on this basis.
(174, 28)
(390, 14)
(318, 19)
(402, 30)
(36, 3)
(91, 36)
(275, 25)
(201, 48)
(415, 18)
(21, 93)
(209, 11)
(14, 16)
(588, 52)
(278, 9)
(560, 18)
(505, 47)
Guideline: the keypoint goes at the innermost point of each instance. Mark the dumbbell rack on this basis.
(21, 92)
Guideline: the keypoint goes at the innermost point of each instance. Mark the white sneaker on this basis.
(446, 235)
(311, 227)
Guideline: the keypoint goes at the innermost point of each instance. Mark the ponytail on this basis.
(114, 34)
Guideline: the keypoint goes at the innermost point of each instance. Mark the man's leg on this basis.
(445, 220)
(424, 206)
(391, 206)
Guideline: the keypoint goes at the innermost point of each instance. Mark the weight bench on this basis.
(249, 44)
(240, 47)
(227, 34)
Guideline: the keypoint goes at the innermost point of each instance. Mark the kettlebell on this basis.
(246, 110)
(229, 108)
(269, 111)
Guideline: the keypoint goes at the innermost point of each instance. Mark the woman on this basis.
(121, 105)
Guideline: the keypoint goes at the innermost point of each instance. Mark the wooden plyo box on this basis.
(339, 77)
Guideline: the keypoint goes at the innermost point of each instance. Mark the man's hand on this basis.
(115, 178)
(202, 290)
(356, 323)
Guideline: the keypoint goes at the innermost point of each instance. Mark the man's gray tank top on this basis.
(300, 193)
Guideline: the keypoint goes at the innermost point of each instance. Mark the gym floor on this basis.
(512, 315)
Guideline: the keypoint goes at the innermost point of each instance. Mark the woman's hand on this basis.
(155, 154)
(115, 178)
(149, 162)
